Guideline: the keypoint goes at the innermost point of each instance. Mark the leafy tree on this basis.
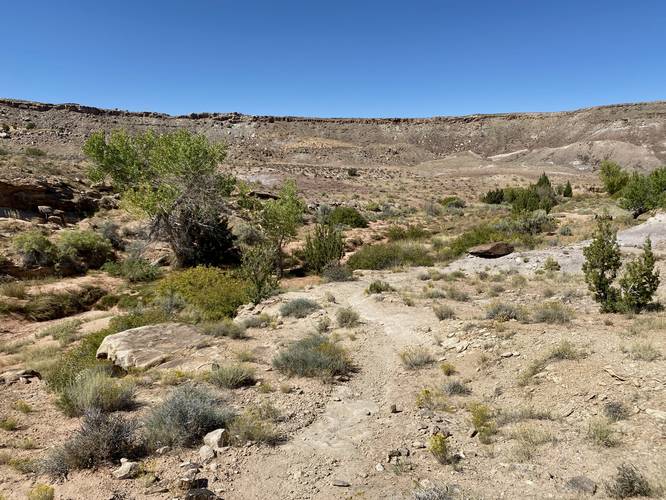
(172, 179)
(281, 218)
(544, 181)
(613, 177)
(640, 280)
(602, 261)
(258, 270)
(568, 191)
(323, 246)
(638, 196)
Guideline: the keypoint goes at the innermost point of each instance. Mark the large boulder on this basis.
(491, 250)
(153, 345)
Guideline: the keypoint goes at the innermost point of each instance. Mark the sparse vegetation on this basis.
(629, 482)
(225, 328)
(500, 311)
(457, 388)
(133, 269)
(299, 308)
(335, 272)
(387, 255)
(232, 376)
(41, 492)
(483, 422)
(323, 246)
(379, 286)
(314, 356)
(346, 317)
(601, 433)
(439, 448)
(552, 312)
(444, 312)
(416, 357)
(94, 388)
(346, 216)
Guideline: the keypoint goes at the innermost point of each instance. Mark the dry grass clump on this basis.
(439, 448)
(448, 369)
(314, 356)
(255, 425)
(457, 388)
(346, 317)
(379, 286)
(433, 492)
(8, 424)
(184, 417)
(22, 406)
(64, 332)
(458, 295)
(102, 438)
(432, 399)
(416, 357)
(552, 312)
(298, 308)
(601, 433)
(521, 414)
(444, 312)
(565, 350)
(629, 482)
(644, 351)
(500, 311)
(95, 388)
(41, 492)
(232, 376)
(529, 439)
(483, 422)
(15, 289)
(225, 328)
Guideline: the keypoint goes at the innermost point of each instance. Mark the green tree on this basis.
(640, 280)
(638, 195)
(602, 261)
(258, 269)
(613, 177)
(323, 246)
(568, 191)
(280, 219)
(172, 179)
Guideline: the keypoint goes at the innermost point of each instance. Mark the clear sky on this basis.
(336, 57)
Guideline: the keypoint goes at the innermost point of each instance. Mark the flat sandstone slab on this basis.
(154, 345)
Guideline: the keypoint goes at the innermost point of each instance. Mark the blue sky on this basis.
(335, 58)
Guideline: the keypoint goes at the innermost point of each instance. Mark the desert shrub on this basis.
(457, 388)
(346, 216)
(134, 269)
(566, 231)
(35, 249)
(173, 179)
(552, 312)
(493, 197)
(35, 152)
(439, 448)
(444, 312)
(564, 350)
(432, 209)
(64, 332)
(225, 328)
(324, 245)
(432, 399)
(232, 376)
(259, 321)
(448, 369)
(313, 356)
(452, 202)
(387, 255)
(137, 318)
(252, 427)
(396, 233)
(616, 411)
(602, 261)
(258, 269)
(56, 305)
(601, 433)
(567, 191)
(644, 351)
(22, 406)
(613, 177)
(8, 424)
(379, 286)
(639, 281)
(629, 482)
(501, 311)
(336, 272)
(457, 295)
(346, 317)
(550, 264)
(352, 172)
(14, 289)
(94, 388)
(416, 357)
(483, 422)
(88, 249)
(102, 438)
(434, 492)
(184, 418)
(41, 491)
(299, 308)
(211, 293)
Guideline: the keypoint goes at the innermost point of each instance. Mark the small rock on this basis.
(340, 484)
(216, 439)
(163, 450)
(379, 468)
(658, 414)
(418, 445)
(394, 409)
(206, 453)
(200, 494)
(506, 354)
(127, 470)
(583, 484)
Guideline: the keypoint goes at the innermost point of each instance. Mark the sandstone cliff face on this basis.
(633, 134)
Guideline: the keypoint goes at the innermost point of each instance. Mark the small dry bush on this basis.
(379, 286)
(616, 411)
(438, 446)
(483, 422)
(299, 308)
(601, 433)
(14, 289)
(416, 357)
(225, 328)
(432, 399)
(184, 418)
(444, 312)
(94, 388)
(629, 482)
(41, 492)
(232, 376)
(457, 388)
(314, 356)
(448, 369)
(346, 317)
(500, 311)
(644, 351)
(552, 312)
(457, 295)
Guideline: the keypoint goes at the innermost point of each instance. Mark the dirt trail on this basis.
(343, 442)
